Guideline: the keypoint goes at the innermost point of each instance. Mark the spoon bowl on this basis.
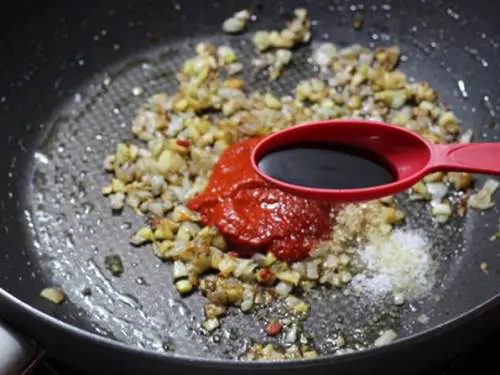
(405, 153)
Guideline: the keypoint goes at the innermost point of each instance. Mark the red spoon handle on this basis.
(473, 157)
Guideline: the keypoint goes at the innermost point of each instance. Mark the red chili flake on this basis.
(232, 253)
(273, 328)
(183, 142)
(265, 274)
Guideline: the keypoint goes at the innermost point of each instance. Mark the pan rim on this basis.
(94, 338)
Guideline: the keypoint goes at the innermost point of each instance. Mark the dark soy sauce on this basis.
(326, 165)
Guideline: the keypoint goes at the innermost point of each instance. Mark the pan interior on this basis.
(73, 229)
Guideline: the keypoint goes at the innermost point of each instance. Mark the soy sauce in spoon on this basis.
(326, 165)
(381, 159)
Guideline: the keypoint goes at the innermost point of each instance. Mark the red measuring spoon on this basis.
(410, 156)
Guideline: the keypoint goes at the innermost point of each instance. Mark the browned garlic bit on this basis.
(237, 22)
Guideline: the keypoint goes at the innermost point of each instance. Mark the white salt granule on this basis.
(397, 263)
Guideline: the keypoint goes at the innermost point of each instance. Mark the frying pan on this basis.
(67, 72)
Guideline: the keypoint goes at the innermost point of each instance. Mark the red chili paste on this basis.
(254, 216)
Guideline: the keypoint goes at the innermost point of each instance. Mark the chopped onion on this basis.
(244, 267)
(184, 286)
(289, 276)
(142, 236)
(157, 184)
(482, 200)
(248, 298)
(387, 200)
(423, 319)
(320, 250)
(227, 265)
(213, 311)
(182, 213)
(283, 288)
(175, 126)
(295, 305)
(234, 68)
(399, 299)
(442, 211)
(385, 338)
(300, 268)
(466, 137)
(291, 335)
(331, 261)
(211, 324)
(324, 54)
(156, 208)
(312, 270)
(187, 231)
(53, 295)
(259, 258)
(437, 190)
(175, 249)
(180, 270)
(116, 201)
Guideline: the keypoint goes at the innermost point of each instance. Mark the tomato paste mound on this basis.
(254, 216)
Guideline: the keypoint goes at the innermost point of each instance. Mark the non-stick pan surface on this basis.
(67, 76)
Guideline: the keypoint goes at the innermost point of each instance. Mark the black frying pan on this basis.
(57, 103)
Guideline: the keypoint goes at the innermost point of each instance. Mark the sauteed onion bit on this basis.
(53, 295)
